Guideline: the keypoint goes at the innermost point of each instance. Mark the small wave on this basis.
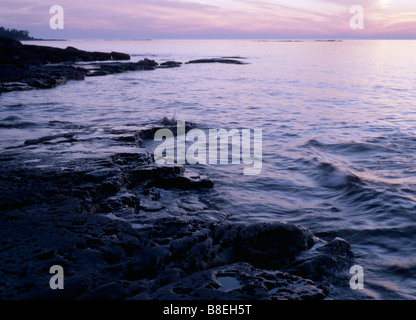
(64, 125)
(332, 177)
(348, 147)
(328, 175)
(46, 139)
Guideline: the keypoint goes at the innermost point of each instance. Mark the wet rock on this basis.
(151, 206)
(27, 67)
(184, 183)
(324, 261)
(168, 177)
(102, 69)
(119, 56)
(118, 202)
(110, 187)
(153, 192)
(102, 174)
(239, 281)
(271, 244)
(155, 172)
(234, 57)
(147, 63)
(170, 64)
(137, 159)
(216, 60)
(72, 215)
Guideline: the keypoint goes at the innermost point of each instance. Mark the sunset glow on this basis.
(213, 19)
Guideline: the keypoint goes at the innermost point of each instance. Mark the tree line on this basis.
(15, 34)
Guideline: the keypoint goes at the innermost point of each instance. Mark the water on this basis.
(338, 121)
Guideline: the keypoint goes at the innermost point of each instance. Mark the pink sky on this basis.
(165, 19)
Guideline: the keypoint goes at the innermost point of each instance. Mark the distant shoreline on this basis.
(45, 40)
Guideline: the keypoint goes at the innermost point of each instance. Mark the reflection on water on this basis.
(338, 125)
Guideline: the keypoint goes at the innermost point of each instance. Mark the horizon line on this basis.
(224, 39)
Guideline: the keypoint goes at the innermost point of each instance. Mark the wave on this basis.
(348, 147)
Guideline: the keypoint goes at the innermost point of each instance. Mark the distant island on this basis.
(15, 34)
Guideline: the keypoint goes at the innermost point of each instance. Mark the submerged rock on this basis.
(102, 69)
(170, 64)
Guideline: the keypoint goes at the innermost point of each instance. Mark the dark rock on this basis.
(109, 291)
(151, 206)
(148, 63)
(216, 60)
(184, 182)
(119, 56)
(234, 57)
(119, 67)
(155, 172)
(170, 64)
(168, 177)
(324, 261)
(271, 244)
(25, 67)
(72, 215)
(102, 174)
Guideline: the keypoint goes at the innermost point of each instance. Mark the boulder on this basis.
(119, 56)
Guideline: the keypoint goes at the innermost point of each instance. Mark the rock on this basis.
(170, 64)
(99, 175)
(28, 65)
(184, 182)
(147, 63)
(110, 291)
(271, 244)
(72, 50)
(234, 57)
(323, 261)
(118, 202)
(74, 213)
(155, 172)
(216, 60)
(239, 281)
(119, 56)
(168, 177)
(151, 206)
(102, 69)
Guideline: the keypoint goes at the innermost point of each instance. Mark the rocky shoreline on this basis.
(123, 227)
(102, 220)
(28, 67)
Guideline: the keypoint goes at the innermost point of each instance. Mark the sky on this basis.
(212, 19)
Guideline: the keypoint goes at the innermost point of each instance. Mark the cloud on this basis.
(211, 19)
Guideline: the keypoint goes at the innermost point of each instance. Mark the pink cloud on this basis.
(198, 19)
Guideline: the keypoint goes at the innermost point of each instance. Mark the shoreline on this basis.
(102, 220)
(110, 220)
(26, 67)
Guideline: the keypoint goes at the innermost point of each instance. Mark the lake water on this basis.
(339, 134)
